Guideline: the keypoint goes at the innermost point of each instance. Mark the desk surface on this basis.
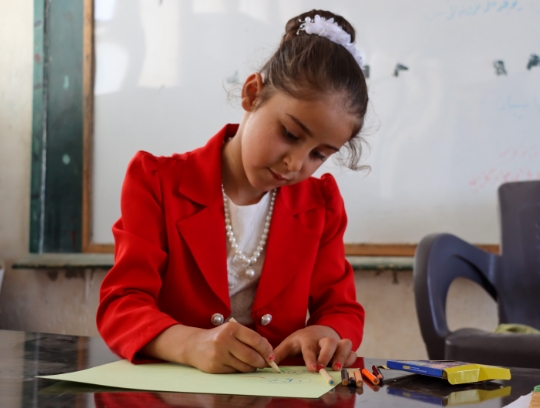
(25, 355)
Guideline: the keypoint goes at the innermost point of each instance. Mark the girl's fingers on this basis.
(238, 364)
(351, 359)
(251, 348)
(328, 347)
(285, 349)
(224, 369)
(223, 363)
(341, 354)
(231, 347)
(309, 353)
(247, 356)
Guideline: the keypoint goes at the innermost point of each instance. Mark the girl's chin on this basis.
(263, 186)
(260, 183)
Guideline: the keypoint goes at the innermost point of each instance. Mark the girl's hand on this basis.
(319, 346)
(228, 348)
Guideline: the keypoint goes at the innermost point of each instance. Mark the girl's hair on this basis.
(307, 65)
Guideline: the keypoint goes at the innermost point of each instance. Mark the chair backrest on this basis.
(517, 277)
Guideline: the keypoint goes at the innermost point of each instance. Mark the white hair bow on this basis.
(331, 30)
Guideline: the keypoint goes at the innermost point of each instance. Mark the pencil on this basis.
(358, 378)
(326, 376)
(274, 366)
(374, 380)
(270, 363)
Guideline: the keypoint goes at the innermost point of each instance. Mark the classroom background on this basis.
(452, 118)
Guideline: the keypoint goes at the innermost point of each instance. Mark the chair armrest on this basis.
(439, 259)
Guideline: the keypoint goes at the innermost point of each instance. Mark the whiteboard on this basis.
(443, 134)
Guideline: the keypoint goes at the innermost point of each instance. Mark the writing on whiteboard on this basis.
(512, 165)
(460, 9)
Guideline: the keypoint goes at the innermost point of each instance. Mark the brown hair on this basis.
(305, 66)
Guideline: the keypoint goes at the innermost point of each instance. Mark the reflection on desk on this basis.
(25, 355)
(436, 392)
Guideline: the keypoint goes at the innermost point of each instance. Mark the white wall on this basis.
(65, 302)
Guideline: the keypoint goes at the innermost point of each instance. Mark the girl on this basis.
(239, 228)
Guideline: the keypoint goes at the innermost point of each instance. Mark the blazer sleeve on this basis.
(128, 316)
(332, 299)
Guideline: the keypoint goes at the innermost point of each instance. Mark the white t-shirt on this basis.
(247, 225)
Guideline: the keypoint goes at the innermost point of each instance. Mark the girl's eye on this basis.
(289, 135)
(318, 155)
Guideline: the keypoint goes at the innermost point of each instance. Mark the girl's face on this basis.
(285, 140)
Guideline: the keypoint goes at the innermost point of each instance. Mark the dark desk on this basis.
(24, 355)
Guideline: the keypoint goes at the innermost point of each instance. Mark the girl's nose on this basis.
(294, 161)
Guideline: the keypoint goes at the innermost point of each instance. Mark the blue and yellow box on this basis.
(456, 372)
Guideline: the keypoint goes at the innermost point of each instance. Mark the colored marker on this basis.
(374, 380)
(377, 373)
(344, 377)
(352, 381)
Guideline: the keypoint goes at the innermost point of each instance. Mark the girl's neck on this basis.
(235, 181)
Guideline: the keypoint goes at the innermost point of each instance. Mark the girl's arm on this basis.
(129, 318)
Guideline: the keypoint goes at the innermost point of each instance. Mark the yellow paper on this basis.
(294, 382)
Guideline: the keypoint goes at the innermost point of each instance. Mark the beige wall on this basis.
(29, 300)
(15, 124)
(63, 302)
(16, 22)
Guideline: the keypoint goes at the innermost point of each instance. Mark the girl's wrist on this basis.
(173, 344)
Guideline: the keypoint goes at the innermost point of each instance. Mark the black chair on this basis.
(512, 279)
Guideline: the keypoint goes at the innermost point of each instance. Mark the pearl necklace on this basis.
(250, 272)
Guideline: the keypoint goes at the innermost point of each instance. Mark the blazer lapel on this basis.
(290, 243)
(204, 233)
(204, 227)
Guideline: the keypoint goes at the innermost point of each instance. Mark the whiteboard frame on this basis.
(88, 244)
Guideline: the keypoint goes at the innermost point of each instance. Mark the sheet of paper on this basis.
(521, 402)
(294, 382)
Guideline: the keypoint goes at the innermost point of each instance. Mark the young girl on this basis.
(239, 228)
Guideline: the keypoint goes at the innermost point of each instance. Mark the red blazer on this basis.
(171, 255)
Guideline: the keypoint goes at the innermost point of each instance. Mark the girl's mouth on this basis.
(277, 177)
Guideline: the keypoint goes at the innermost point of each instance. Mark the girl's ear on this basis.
(251, 91)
